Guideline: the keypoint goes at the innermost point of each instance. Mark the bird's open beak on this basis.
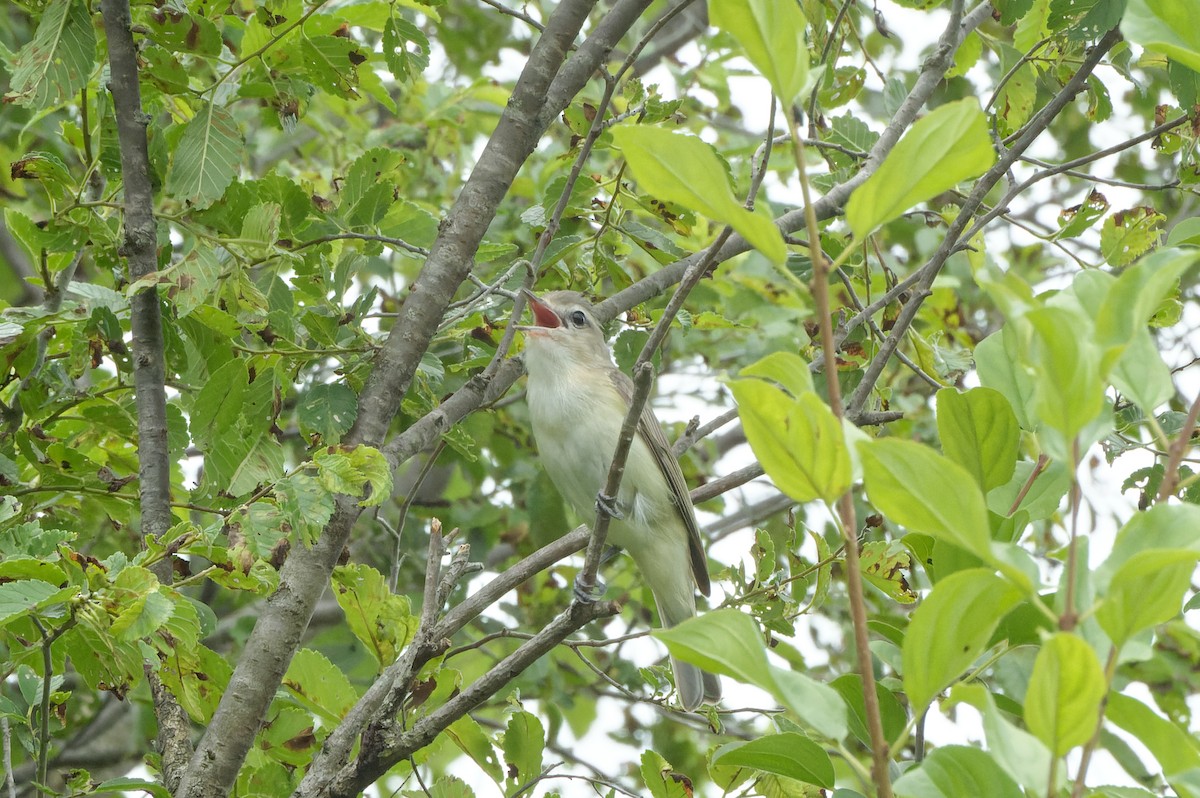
(543, 314)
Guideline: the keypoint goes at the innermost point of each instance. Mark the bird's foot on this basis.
(609, 505)
(589, 594)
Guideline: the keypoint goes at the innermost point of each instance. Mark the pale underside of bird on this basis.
(577, 404)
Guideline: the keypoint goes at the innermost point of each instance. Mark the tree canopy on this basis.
(271, 518)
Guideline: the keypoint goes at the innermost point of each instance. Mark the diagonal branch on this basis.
(829, 205)
(396, 746)
(1040, 121)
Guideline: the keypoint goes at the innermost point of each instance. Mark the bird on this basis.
(578, 400)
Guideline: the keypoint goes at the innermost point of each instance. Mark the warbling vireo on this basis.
(577, 402)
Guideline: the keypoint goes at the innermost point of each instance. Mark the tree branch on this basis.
(393, 746)
(830, 204)
(140, 247)
(1175, 453)
(1040, 121)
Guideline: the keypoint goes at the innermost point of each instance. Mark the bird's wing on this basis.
(652, 435)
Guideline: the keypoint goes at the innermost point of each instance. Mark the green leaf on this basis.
(1042, 498)
(1127, 234)
(1068, 394)
(470, 738)
(954, 771)
(951, 628)
(198, 681)
(1167, 26)
(1174, 747)
(799, 442)
(306, 504)
(1062, 703)
(18, 599)
(319, 685)
(288, 736)
(376, 616)
(17, 568)
(328, 63)
(786, 368)
(1186, 233)
(925, 492)
(126, 784)
(207, 158)
(104, 662)
(57, 63)
(772, 35)
(788, 754)
(817, 704)
(179, 31)
(997, 359)
(218, 406)
(728, 643)
(979, 431)
(892, 712)
(1019, 753)
(1163, 526)
(1073, 221)
(524, 739)
(661, 779)
(243, 464)
(328, 411)
(685, 170)
(1145, 591)
(886, 566)
(945, 147)
(144, 616)
(351, 470)
(1141, 375)
(403, 63)
(1135, 296)
(725, 642)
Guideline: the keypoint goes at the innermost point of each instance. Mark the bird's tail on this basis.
(695, 686)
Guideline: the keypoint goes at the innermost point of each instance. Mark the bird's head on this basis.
(564, 330)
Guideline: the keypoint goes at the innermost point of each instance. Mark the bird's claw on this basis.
(611, 553)
(608, 505)
(589, 594)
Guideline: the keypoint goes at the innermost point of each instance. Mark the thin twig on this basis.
(1038, 468)
(396, 243)
(512, 12)
(1176, 451)
(689, 438)
(426, 467)
(1110, 670)
(849, 524)
(375, 761)
(6, 734)
(933, 382)
(433, 565)
(1070, 617)
(1002, 205)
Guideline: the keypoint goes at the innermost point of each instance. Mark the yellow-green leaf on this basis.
(949, 145)
(685, 170)
(771, 32)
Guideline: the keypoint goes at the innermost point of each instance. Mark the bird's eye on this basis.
(579, 319)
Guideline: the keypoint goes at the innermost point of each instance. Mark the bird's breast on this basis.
(577, 417)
